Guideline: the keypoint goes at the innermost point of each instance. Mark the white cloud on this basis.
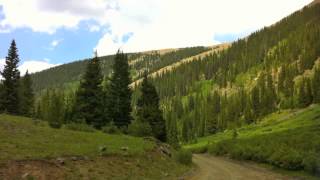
(35, 66)
(94, 28)
(56, 42)
(154, 23)
(2, 63)
(32, 66)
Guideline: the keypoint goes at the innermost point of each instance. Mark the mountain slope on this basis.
(187, 92)
(66, 74)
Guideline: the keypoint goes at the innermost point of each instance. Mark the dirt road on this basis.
(218, 168)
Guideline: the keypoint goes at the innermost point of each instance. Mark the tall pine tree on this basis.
(26, 96)
(119, 93)
(148, 109)
(316, 85)
(88, 106)
(11, 75)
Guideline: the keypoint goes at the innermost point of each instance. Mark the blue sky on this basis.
(70, 44)
(49, 32)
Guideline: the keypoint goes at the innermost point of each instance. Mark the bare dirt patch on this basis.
(31, 169)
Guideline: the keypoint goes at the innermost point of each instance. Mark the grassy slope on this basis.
(288, 140)
(273, 123)
(23, 139)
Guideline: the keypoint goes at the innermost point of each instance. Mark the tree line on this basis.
(104, 102)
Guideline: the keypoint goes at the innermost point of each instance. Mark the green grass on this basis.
(23, 138)
(288, 139)
(36, 147)
(276, 122)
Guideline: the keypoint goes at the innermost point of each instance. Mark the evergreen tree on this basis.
(88, 106)
(316, 85)
(172, 132)
(304, 93)
(1, 97)
(56, 109)
(26, 96)
(255, 102)
(11, 75)
(212, 125)
(271, 97)
(148, 109)
(119, 93)
(308, 89)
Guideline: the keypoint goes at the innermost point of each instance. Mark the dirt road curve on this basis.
(218, 168)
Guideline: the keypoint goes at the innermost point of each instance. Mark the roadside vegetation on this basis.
(287, 139)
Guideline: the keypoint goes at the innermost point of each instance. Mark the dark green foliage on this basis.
(183, 156)
(212, 124)
(119, 92)
(88, 101)
(111, 129)
(10, 95)
(316, 86)
(140, 128)
(55, 109)
(304, 93)
(172, 132)
(148, 110)
(1, 95)
(234, 134)
(26, 96)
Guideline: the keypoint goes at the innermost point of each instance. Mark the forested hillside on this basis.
(274, 68)
(69, 74)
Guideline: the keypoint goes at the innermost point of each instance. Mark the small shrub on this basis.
(183, 156)
(140, 129)
(234, 134)
(79, 127)
(55, 124)
(111, 129)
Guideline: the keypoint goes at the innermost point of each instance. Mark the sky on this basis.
(52, 32)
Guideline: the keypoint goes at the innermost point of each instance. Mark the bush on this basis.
(79, 127)
(111, 129)
(183, 156)
(140, 129)
(55, 124)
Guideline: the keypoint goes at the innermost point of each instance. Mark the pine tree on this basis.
(148, 109)
(56, 109)
(316, 85)
(271, 97)
(304, 93)
(26, 96)
(255, 102)
(308, 89)
(1, 97)
(88, 106)
(119, 93)
(172, 132)
(11, 75)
